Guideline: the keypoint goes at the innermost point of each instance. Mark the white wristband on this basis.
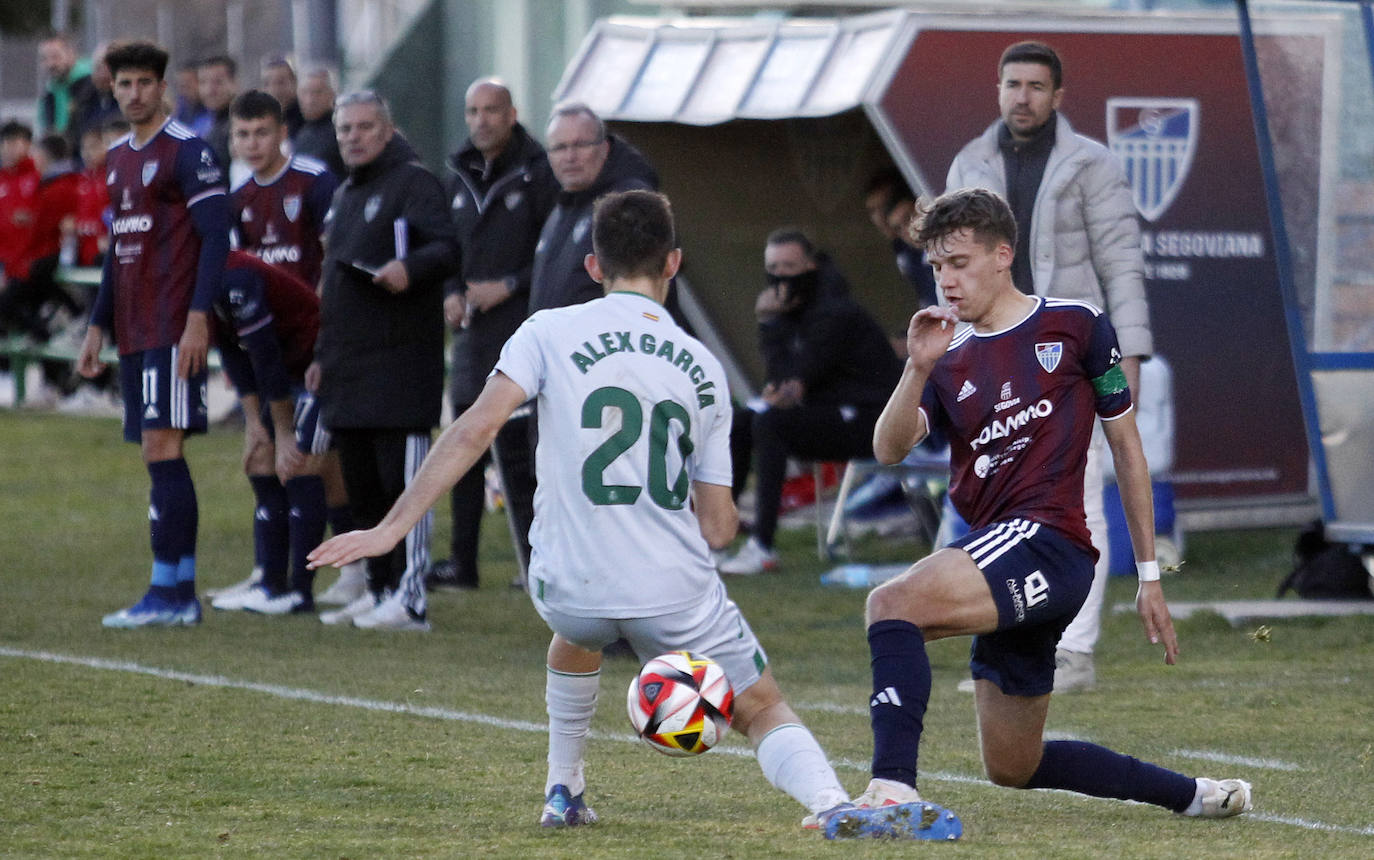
(1147, 571)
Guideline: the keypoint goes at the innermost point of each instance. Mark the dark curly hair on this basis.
(977, 209)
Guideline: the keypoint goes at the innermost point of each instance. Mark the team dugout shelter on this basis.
(1248, 141)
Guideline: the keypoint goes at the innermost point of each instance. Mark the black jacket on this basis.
(381, 355)
(498, 212)
(559, 278)
(838, 351)
(316, 139)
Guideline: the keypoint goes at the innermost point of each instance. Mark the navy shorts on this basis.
(1039, 580)
(311, 437)
(155, 398)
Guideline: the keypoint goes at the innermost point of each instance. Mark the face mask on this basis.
(801, 288)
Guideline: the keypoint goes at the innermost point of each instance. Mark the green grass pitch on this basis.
(257, 737)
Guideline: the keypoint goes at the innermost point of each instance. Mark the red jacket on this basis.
(18, 199)
(92, 201)
(58, 198)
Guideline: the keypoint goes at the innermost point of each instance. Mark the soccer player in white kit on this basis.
(633, 470)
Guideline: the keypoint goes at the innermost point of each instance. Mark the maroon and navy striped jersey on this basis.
(154, 246)
(282, 221)
(1018, 407)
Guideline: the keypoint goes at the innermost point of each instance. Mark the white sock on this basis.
(571, 702)
(794, 762)
(1204, 785)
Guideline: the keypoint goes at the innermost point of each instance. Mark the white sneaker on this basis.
(258, 600)
(364, 604)
(351, 584)
(1073, 671)
(1224, 798)
(392, 614)
(752, 558)
(966, 686)
(236, 599)
(241, 587)
(886, 792)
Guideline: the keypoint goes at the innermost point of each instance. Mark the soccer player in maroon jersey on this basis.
(170, 235)
(1016, 391)
(279, 212)
(267, 321)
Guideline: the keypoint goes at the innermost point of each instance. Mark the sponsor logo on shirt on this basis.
(965, 392)
(1004, 427)
(278, 254)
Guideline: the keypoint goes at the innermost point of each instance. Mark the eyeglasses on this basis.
(579, 145)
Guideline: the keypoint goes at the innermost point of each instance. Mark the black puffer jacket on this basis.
(559, 277)
(498, 210)
(836, 348)
(381, 355)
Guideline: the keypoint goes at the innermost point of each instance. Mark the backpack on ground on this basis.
(1325, 571)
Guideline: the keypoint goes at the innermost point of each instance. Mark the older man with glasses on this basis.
(588, 162)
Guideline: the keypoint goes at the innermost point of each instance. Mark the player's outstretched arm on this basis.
(1133, 477)
(902, 424)
(459, 446)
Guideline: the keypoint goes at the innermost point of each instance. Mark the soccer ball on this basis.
(681, 703)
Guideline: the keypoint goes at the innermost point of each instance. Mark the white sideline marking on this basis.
(303, 695)
(1247, 761)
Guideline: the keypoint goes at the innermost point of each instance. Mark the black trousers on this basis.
(514, 463)
(805, 432)
(377, 464)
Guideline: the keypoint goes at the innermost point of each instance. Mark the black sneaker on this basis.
(444, 574)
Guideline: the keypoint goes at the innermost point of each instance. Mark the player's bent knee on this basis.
(900, 599)
(1008, 775)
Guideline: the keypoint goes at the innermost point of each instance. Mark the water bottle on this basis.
(849, 576)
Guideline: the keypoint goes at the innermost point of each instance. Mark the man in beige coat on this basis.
(1078, 238)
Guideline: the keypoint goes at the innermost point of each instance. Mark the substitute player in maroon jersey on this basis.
(170, 235)
(267, 321)
(279, 211)
(1016, 392)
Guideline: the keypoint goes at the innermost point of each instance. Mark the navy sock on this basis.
(901, 691)
(305, 521)
(173, 519)
(270, 531)
(341, 519)
(1091, 769)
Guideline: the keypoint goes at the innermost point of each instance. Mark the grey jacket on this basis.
(1085, 236)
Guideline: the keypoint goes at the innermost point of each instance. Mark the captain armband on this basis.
(1111, 382)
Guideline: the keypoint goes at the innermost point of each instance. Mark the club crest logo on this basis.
(291, 205)
(513, 199)
(370, 209)
(460, 200)
(149, 171)
(1048, 354)
(1156, 140)
(580, 228)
